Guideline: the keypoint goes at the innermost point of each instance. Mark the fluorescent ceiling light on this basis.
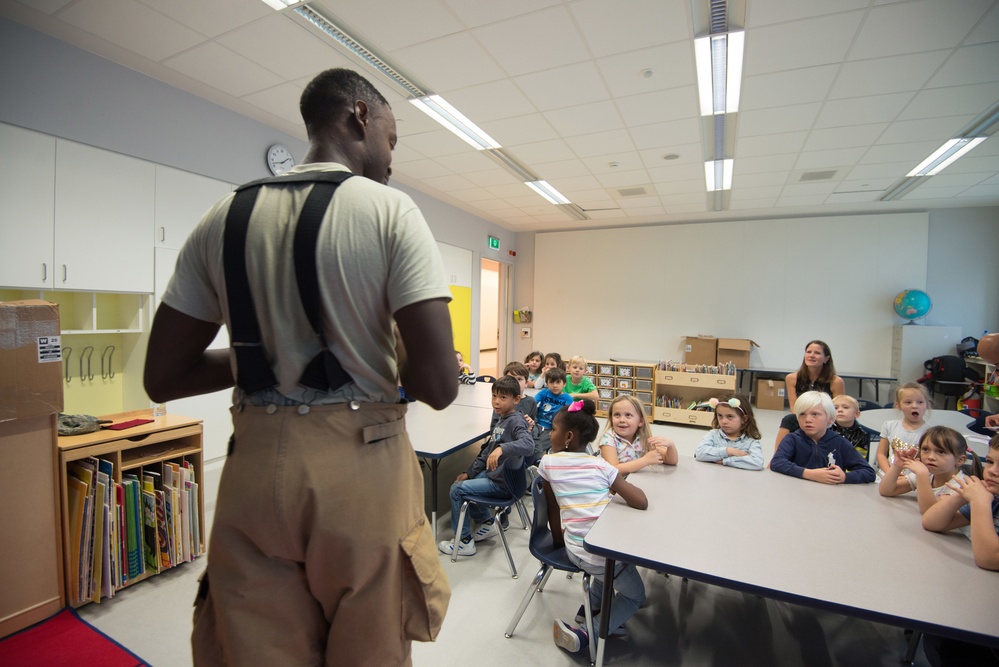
(718, 174)
(280, 4)
(719, 71)
(437, 108)
(547, 191)
(945, 155)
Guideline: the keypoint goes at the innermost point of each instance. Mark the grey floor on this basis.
(688, 624)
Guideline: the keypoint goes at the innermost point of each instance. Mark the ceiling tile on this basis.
(662, 135)
(692, 196)
(448, 182)
(781, 11)
(489, 177)
(917, 25)
(134, 26)
(665, 189)
(659, 106)
(862, 110)
(574, 184)
(534, 42)
(760, 179)
(585, 118)
(925, 192)
(770, 144)
(634, 203)
(542, 151)
(211, 18)
(618, 163)
(955, 101)
(844, 137)
(609, 143)
(646, 70)
(625, 25)
(840, 157)
(947, 178)
(803, 200)
(281, 100)
(624, 179)
(866, 185)
(654, 157)
(754, 165)
(436, 143)
(688, 208)
(425, 168)
(914, 153)
(266, 41)
(491, 101)
(47, 6)
(851, 197)
(468, 161)
(481, 198)
(561, 169)
(990, 191)
(777, 120)
(220, 68)
(975, 162)
(411, 22)
(970, 64)
(938, 129)
(678, 172)
(893, 74)
(740, 193)
(434, 64)
(742, 205)
(520, 129)
(474, 13)
(411, 120)
(985, 30)
(892, 170)
(564, 86)
(815, 188)
(815, 41)
(797, 86)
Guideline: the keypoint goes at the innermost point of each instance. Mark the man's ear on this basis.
(360, 115)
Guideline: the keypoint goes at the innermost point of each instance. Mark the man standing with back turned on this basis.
(320, 551)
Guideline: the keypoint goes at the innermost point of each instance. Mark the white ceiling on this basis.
(862, 88)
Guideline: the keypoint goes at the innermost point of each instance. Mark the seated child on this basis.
(847, 411)
(465, 374)
(577, 488)
(816, 453)
(735, 438)
(510, 442)
(942, 452)
(912, 400)
(627, 442)
(550, 400)
(533, 362)
(527, 405)
(976, 503)
(577, 386)
(552, 360)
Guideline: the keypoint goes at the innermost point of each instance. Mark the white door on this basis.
(27, 203)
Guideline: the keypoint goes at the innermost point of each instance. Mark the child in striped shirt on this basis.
(578, 488)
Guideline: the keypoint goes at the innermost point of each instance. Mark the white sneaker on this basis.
(569, 638)
(464, 548)
(485, 531)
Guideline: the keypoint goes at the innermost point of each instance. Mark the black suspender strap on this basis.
(253, 372)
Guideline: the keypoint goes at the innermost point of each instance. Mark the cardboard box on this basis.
(700, 350)
(30, 359)
(735, 350)
(769, 395)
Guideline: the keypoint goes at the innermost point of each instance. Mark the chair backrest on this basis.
(488, 379)
(540, 544)
(867, 405)
(515, 479)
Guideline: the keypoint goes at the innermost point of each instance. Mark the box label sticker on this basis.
(687, 348)
(780, 392)
(49, 349)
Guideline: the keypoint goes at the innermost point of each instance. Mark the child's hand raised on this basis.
(653, 457)
(915, 465)
(530, 423)
(970, 488)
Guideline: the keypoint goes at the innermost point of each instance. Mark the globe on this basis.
(911, 304)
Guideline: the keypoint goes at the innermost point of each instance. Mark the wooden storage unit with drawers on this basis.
(688, 388)
(614, 378)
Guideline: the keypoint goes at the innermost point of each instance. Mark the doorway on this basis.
(493, 328)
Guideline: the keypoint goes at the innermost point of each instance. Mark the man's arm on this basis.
(178, 361)
(427, 368)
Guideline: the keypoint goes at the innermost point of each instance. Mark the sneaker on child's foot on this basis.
(569, 638)
(464, 548)
(485, 531)
(504, 518)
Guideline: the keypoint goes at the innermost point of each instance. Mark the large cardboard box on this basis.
(735, 350)
(769, 395)
(700, 350)
(30, 359)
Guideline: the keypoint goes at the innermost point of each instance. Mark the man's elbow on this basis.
(438, 395)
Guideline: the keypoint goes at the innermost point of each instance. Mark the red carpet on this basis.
(62, 640)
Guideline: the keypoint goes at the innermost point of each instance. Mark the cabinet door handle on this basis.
(45, 272)
(64, 273)
(162, 234)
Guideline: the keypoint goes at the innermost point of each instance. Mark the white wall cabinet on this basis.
(457, 264)
(27, 200)
(182, 198)
(103, 216)
(913, 344)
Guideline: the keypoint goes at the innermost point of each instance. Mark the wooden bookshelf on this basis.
(170, 438)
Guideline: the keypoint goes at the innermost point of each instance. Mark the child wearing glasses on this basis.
(734, 438)
(628, 444)
(817, 453)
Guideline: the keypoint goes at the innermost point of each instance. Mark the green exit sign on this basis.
(493, 243)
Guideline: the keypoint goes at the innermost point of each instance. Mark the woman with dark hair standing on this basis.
(817, 373)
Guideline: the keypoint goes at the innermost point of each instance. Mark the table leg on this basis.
(605, 607)
(433, 495)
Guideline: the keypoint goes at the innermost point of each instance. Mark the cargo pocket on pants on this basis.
(425, 588)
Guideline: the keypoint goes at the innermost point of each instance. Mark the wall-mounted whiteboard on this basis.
(634, 293)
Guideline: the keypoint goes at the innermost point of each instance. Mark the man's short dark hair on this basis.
(516, 368)
(506, 386)
(331, 93)
(554, 375)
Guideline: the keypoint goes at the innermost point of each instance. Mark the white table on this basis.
(841, 548)
(480, 395)
(875, 419)
(436, 434)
